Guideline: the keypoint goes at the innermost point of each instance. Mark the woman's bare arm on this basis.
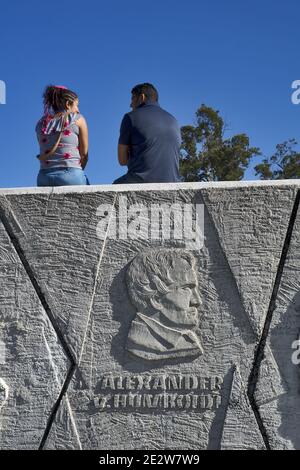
(83, 140)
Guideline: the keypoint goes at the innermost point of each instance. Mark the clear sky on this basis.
(239, 57)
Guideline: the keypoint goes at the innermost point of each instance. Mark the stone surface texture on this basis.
(119, 330)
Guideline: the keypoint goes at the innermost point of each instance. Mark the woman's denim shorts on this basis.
(61, 177)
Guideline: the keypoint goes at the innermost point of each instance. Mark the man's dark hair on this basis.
(147, 89)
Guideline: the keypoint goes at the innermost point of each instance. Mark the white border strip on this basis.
(149, 187)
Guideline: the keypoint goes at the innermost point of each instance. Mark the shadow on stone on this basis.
(216, 430)
(282, 338)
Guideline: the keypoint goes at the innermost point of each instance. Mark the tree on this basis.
(284, 164)
(207, 156)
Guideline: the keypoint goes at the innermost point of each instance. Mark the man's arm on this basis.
(123, 154)
(124, 141)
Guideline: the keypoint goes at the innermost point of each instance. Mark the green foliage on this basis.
(207, 156)
(284, 164)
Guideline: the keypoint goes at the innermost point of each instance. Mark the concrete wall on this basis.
(116, 333)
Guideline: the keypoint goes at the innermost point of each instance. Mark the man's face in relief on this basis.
(179, 307)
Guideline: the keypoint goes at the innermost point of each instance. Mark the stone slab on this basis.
(158, 336)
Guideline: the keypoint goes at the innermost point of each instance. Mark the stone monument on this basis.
(150, 316)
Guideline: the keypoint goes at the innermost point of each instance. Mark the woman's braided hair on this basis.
(56, 97)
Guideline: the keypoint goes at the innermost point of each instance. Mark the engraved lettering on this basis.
(218, 382)
(120, 401)
(108, 382)
(130, 383)
(142, 384)
(204, 383)
(159, 382)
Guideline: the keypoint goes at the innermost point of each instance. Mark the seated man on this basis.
(149, 140)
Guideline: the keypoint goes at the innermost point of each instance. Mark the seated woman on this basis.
(63, 138)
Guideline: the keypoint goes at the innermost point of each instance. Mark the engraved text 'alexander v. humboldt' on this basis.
(161, 392)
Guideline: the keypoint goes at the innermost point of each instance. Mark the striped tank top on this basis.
(67, 154)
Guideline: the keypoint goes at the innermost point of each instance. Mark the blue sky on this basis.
(239, 57)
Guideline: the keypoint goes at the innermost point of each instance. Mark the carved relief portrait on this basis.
(163, 286)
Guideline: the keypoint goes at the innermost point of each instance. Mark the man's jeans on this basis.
(61, 177)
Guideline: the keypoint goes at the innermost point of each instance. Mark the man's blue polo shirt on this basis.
(154, 139)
